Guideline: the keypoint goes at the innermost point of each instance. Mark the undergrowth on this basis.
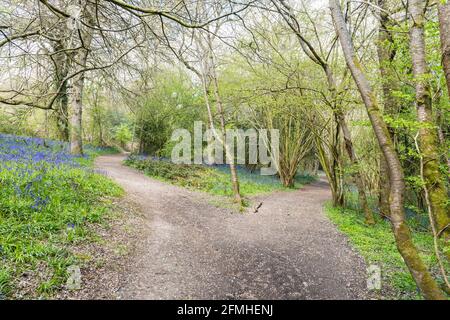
(48, 199)
(211, 179)
(377, 245)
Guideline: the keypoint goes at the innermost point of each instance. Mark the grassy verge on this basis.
(377, 245)
(48, 200)
(212, 179)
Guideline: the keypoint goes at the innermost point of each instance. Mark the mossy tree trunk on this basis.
(386, 54)
(428, 134)
(444, 24)
(402, 234)
(61, 61)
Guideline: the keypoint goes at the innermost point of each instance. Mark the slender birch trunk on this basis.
(402, 234)
(229, 154)
(428, 135)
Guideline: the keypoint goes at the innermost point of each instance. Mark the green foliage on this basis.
(5, 278)
(123, 134)
(377, 245)
(173, 103)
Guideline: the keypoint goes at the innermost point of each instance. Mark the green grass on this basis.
(29, 238)
(377, 245)
(212, 179)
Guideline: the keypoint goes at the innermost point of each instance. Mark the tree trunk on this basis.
(428, 137)
(221, 136)
(384, 188)
(444, 23)
(402, 234)
(329, 163)
(229, 154)
(340, 117)
(337, 166)
(62, 113)
(386, 53)
(76, 134)
(61, 102)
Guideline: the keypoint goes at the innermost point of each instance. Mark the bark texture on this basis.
(386, 53)
(428, 135)
(62, 100)
(77, 86)
(229, 154)
(407, 249)
(444, 23)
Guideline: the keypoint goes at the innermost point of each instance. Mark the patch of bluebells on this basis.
(34, 150)
(24, 162)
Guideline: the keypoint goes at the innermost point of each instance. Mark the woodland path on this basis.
(193, 249)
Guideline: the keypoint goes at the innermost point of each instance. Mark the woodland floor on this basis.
(190, 248)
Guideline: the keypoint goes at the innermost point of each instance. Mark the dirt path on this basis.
(193, 250)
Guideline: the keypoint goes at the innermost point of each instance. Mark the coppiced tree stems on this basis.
(315, 57)
(328, 150)
(402, 234)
